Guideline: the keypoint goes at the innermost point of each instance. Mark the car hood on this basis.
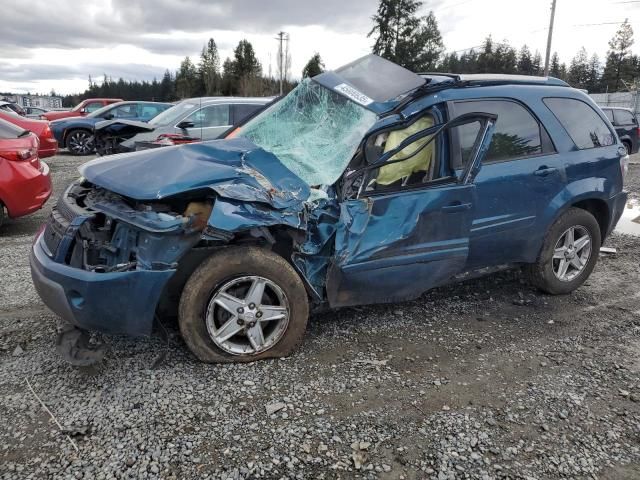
(236, 169)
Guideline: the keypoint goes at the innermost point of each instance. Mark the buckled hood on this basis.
(236, 169)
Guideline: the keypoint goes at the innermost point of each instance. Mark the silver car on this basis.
(203, 118)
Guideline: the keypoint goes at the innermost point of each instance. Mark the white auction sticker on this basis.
(353, 94)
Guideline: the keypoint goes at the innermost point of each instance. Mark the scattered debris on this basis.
(274, 407)
(608, 250)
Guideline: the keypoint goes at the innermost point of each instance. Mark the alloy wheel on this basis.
(80, 142)
(571, 254)
(247, 315)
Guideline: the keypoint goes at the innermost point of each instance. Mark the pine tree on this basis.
(525, 62)
(536, 67)
(579, 69)
(617, 65)
(405, 38)
(209, 69)
(592, 83)
(246, 69)
(554, 67)
(315, 66)
(186, 79)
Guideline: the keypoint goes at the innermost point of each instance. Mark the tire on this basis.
(546, 273)
(1, 214)
(627, 145)
(235, 271)
(79, 142)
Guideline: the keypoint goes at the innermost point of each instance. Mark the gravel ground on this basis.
(486, 379)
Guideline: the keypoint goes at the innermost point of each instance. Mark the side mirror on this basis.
(83, 110)
(185, 124)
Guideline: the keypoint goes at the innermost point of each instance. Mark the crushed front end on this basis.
(103, 260)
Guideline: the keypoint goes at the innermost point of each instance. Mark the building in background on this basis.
(43, 101)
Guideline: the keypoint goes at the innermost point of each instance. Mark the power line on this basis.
(596, 24)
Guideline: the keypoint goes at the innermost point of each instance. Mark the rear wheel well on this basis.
(599, 209)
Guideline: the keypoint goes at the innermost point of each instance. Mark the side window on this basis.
(623, 117)
(211, 116)
(124, 111)
(243, 110)
(148, 111)
(415, 164)
(585, 127)
(93, 106)
(609, 115)
(517, 133)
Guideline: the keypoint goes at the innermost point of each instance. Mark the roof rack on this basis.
(485, 79)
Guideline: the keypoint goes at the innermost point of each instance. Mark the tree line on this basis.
(401, 35)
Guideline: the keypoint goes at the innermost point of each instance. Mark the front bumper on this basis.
(618, 203)
(114, 303)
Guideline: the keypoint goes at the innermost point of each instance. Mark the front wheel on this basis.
(243, 304)
(569, 253)
(80, 142)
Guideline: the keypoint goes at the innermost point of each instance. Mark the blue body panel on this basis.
(381, 247)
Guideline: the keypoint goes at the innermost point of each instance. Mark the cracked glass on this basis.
(313, 131)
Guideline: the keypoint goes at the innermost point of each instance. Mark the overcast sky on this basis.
(45, 45)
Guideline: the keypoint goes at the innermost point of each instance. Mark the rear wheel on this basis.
(243, 304)
(569, 254)
(80, 142)
(627, 145)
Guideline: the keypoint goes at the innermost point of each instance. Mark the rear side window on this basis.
(585, 127)
(623, 117)
(243, 110)
(9, 130)
(517, 133)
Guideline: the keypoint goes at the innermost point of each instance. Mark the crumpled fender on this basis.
(122, 127)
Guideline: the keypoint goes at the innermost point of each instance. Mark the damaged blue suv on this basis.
(367, 184)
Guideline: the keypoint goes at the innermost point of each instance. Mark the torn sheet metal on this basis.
(236, 169)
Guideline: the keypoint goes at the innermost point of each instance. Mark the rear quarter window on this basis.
(583, 124)
(9, 130)
(623, 117)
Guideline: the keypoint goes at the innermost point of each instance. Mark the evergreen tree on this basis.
(187, 79)
(405, 38)
(209, 69)
(167, 87)
(525, 62)
(537, 68)
(315, 66)
(579, 70)
(592, 83)
(554, 66)
(247, 69)
(617, 67)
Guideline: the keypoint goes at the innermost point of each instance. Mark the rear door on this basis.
(407, 229)
(209, 122)
(520, 175)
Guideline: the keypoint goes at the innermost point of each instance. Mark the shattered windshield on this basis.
(313, 131)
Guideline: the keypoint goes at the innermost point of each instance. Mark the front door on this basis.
(407, 230)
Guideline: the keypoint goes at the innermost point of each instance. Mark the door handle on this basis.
(544, 171)
(456, 207)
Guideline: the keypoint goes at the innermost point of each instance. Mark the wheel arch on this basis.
(67, 131)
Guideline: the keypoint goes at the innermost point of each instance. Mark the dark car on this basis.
(368, 184)
(626, 126)
(76, 133)
(82, 109)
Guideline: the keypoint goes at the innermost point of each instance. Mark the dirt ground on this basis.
(485, 379)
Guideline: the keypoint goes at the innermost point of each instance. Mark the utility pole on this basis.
(281, 65)
(546, 58)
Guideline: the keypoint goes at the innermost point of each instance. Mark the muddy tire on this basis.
(243, 304)
(569, 253)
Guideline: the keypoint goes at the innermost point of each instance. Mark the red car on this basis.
(83, 108)
(25, 184)
(48, 143)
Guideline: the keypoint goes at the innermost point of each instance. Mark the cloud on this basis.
(41, 72)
